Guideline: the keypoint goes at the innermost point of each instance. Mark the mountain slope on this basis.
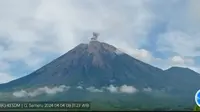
(95, 64)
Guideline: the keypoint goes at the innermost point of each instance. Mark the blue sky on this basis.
(163, 33)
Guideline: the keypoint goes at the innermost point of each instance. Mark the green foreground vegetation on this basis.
(114, 101)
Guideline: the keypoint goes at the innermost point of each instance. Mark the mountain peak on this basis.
(99, 50)
(176, 67)
(96, 46)
(95, 51)
(179, 68)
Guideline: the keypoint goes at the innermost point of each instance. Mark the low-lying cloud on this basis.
(93, 89)
(79, 87)
(121, 89)
(147, 89)
(20, 94)
(127, 89)
(40, 91)
(58, 89)
(114, 89)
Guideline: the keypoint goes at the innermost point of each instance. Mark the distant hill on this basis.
(183, 80)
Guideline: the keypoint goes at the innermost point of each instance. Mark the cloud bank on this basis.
(112, 89)
(40, 91)
(93, 89)
(127, 89)
(118, 89)
(58, 89)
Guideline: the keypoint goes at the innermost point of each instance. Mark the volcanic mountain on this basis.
(99, 64)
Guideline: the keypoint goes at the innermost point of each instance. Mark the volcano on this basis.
(98, 65)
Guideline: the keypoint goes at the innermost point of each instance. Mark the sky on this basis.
(163, 33)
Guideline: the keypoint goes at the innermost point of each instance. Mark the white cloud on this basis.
(121, 89)
(93, 89)
(141, 54)
(178, 60)
(112, 89)
(127, 89)
(179, 42)
(4, 66)
(39, 91)
(79, 87)
(6, 77)
(20, 94)
(147, 89)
